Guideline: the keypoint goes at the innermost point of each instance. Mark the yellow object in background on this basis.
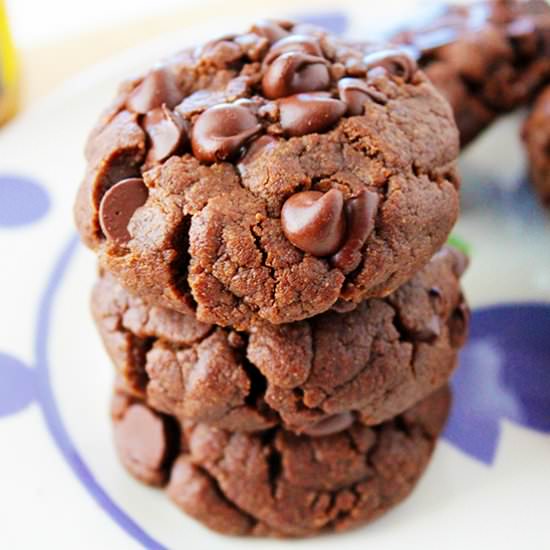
(8, 69)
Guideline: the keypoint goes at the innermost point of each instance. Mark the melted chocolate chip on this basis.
(166, 132)
(118, 206)
(355, 92)
(157, 88)
(331, 425)
(294, 43)
(360, 214)
(309, 113)
(314, 222)
(293, 73)
(270, 30)
(221, 131)
(140, 438)
(395, 62)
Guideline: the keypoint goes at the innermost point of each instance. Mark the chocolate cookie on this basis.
(276, 482)
(269, 175)
(314, 376)
(487, 58)
(536, 135)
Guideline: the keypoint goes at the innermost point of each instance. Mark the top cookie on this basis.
(270, 175)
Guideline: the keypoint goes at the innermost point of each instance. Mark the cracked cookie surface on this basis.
(277, 483)
(225, 135)
(316, 376)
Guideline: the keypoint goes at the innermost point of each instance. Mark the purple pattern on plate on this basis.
(336, 21)
(504, 374)
(52, 415)
(22, 201)
(518, 386)
(17, 386)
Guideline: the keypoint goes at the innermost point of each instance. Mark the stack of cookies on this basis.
(270, 213)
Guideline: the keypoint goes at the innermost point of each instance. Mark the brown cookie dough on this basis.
(487, 58)
(276, 483)
(314, 376)
(536, 135)
(282, 171)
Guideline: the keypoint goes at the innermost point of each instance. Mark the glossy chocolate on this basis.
(314, 221)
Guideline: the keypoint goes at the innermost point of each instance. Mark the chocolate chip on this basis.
(294, 43)
(221, 131)
(330, 425)
(293, 73)
(458, 325)
(158, 87)
(118, 206)
(314, 222)
(141, 442)
(360, 215)
(395, 62)
(308, 113)
(269, 29)
(355, 92)
(166, 132)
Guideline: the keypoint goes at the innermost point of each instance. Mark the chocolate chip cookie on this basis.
(487, 58)
(314, 377)
(277, 483)
(271, 175)
(536, 135)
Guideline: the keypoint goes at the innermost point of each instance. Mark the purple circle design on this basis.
(22, 201)
(17, 389)
(52, 416)
(504, 374)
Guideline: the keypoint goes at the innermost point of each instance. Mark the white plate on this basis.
(62, 486)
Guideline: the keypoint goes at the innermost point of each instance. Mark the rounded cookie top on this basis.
(315, 377)
(277, 483)
(269, 175)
